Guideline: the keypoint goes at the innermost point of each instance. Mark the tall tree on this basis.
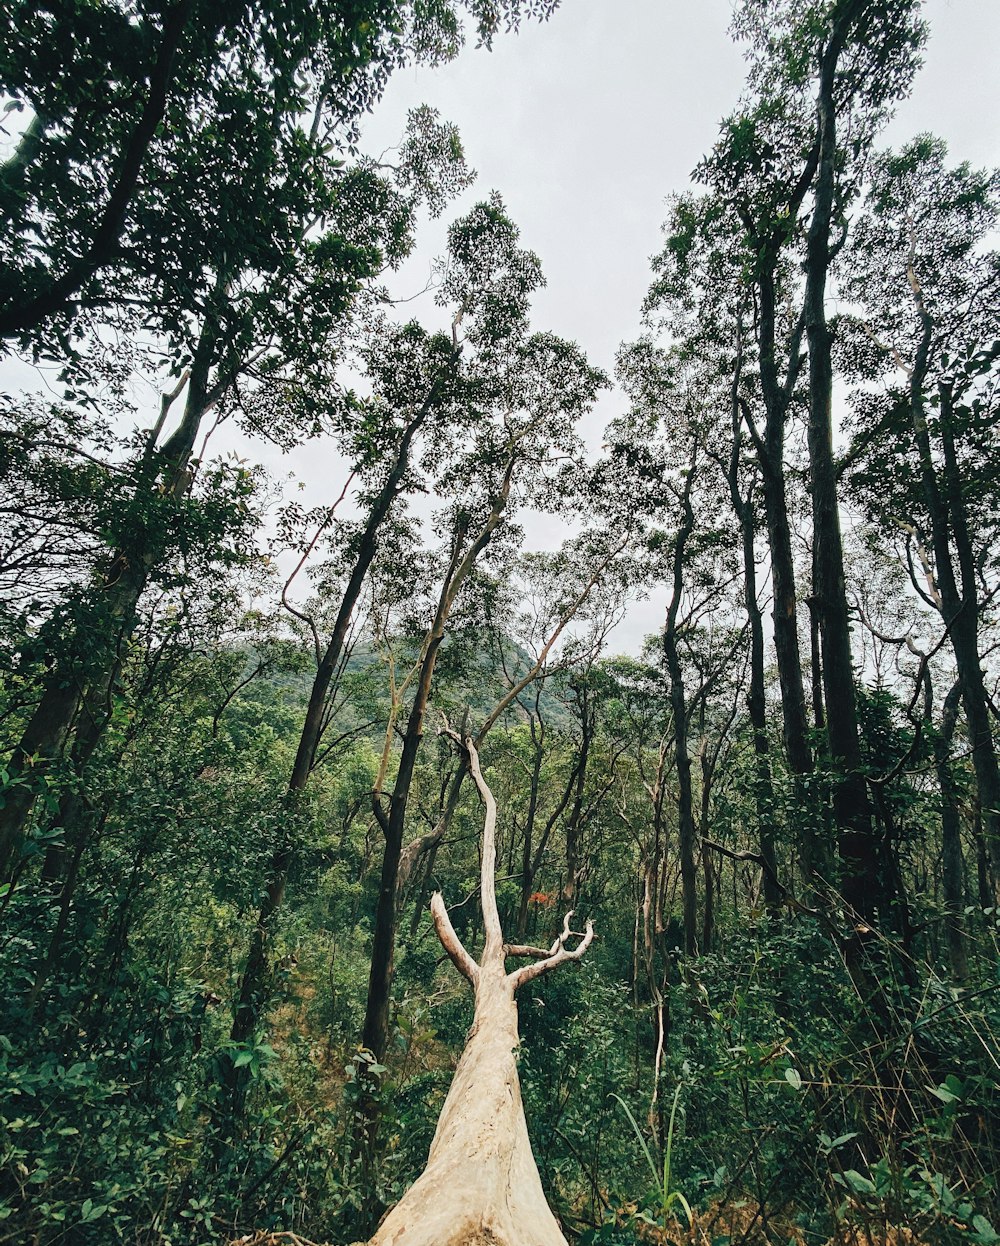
(926, 285)
(251, 331)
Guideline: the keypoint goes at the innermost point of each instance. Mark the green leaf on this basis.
(985, 1233)
(642, 1141)
(793, 1078)
(855, 1181)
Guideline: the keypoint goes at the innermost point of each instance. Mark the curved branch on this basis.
(488, 889)
(558, 955)
(450, 941)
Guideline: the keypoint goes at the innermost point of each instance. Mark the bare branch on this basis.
(558, 955)
(450, 941)
(488, 892)
(526, 949)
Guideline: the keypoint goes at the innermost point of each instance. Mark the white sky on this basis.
(585, 125)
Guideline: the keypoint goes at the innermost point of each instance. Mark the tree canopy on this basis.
(294, 792)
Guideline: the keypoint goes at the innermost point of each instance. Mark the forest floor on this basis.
(737, 1224)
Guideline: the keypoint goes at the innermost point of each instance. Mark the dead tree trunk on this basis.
(481, 1186)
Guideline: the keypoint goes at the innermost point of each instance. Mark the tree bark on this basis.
(964, 627)
(480, 1186)
(858, 853)
(687, 833)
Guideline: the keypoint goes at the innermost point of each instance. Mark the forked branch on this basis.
(495, 949)
(559, 953)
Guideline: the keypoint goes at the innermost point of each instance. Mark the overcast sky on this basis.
(586, 124)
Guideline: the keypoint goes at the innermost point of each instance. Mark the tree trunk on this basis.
(480, 1186)
(861, 885)
(254, 986)
(678, 703)
(964, 624)
(375, 1036)
(527, 844)
(756, 699)
(574, 864)
(951, 836)
(813, 851)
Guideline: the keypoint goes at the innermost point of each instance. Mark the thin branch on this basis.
(306, 618)
(488, 888)
(559, 954)
(526, 949)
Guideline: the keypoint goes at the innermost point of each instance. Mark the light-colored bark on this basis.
(481, 1186)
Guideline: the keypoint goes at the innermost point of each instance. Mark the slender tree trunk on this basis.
(965, 637)
(951, 835)
(254, 986)
(986, 882)
(573, 823)
(375, 1035)
(814, 853)
(425, 891)
(859, 857)
(958, 593)
(816, 667)
(756, 699)
(687, 833)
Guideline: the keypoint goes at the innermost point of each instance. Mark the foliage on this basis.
(222, 799)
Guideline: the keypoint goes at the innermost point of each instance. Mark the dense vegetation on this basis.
(232, 727)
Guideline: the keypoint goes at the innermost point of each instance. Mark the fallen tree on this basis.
(481, 1186)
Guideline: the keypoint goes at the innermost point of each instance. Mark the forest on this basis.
(358, 883)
